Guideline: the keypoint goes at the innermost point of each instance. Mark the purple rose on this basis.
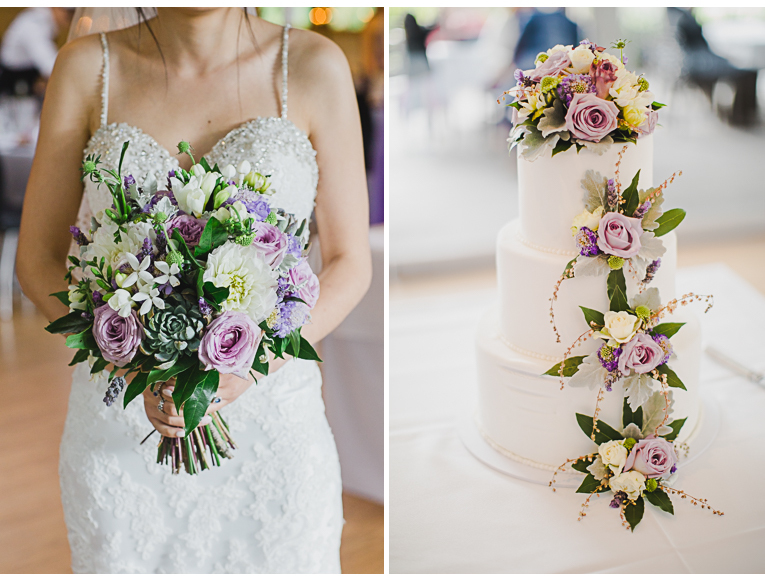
(553, 66)
(652, 457)
(230, 343)
(648, 126)
(271, 241)
(619, 235)
(190, 227)
(306, 281)
(604, 75)
(642, 354)
(591, 118)
(117, 337)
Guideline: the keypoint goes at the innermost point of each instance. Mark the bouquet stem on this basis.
(190, 452)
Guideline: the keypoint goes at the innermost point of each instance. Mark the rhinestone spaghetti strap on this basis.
(285, 50)
(104, 81)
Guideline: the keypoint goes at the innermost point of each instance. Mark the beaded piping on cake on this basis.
(545, 249)
(526, 352)
(507, 453)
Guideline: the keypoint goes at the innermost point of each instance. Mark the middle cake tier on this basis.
(526, 278)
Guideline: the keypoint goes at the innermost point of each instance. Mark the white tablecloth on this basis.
(450, 513)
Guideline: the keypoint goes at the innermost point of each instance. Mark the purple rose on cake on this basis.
(642, 354)
(652, 457)
(553, 66)
(619, 235)
(648, 126)
(591, 118)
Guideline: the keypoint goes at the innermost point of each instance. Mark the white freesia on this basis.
(225, 194)
(620, 327)
(244, 167)
(197, 170)
(195, 202)
(248, 277)
(614, 455)
(77, 300)
(228, 172)
(581, 59)
(224, 213)
(115, 253)
(149, 297)
(168, 273)
(587, 219)
(183, 191)
(207, 184)
(632, 483)
(121, 302)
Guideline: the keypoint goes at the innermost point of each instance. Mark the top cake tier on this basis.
(550, 189)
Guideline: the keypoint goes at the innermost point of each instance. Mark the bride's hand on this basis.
(167, 422)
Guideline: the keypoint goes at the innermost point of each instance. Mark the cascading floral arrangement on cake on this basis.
(583, 120)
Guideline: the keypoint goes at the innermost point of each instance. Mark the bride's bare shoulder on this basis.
(317, 63)
(81, 59)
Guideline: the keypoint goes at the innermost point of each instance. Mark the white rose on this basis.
(614, 455)
(620, 327)
(587, 220)
(121, 302)
(632, 483)
(581, 59)
(247, 276)
(559, 48)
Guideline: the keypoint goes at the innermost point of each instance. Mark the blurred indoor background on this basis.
(32, 531)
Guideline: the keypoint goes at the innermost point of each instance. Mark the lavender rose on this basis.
(117, 337)
(603, 74)
(648, 126)
(306, 281)
(271, 241)
(642, 354)
(190, 227)
(553, 66)
(591, 118)
(653, 457)
(619, 235)
(230, 343)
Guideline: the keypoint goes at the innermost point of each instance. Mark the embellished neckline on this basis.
(252, 122)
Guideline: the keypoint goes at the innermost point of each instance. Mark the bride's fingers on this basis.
(166, 429)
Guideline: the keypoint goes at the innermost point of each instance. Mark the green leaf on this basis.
(631, 196)
(306, 351)
(79, 357)
(656, 105)
(122, 157)
(205, 165)
(570, 266)
(668, 329)
(617, 291)
(668, 221)
(82, 340)
(676, 426)
(634, 513)
(71, 323)
(184, 249)
(630, 417)
(593, 316)
(135, 388)
(261, 368)
(294, 341)
(514, 105)
(216, 295)
(672, 379)
(661, 499)
(195, 406)
(561, 146)
(581, 465)
(63, 296)
(213, 236)
(589, 484)
(605, 432)
(99, 366)
(570, 366)
(157, 375)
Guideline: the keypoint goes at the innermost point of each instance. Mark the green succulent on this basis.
(172, 332)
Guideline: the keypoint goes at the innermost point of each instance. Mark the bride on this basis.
(221, 79)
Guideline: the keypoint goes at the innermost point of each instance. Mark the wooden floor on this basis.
(34, 389)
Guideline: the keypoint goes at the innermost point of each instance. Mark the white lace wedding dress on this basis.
(276, 506)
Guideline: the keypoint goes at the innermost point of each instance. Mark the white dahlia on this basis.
(116, 253)
(249, 279)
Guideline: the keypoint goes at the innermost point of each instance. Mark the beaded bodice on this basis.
(272, 145)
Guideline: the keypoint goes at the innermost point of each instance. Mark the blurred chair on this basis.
(704, 69)
(15, 165)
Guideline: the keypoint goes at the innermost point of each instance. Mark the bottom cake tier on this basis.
(526, 416)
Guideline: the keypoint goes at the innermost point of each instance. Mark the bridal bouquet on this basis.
(580, 96)
(200, 278)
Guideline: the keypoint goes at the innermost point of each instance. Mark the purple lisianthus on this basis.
(553, 66)
(642, 354)
(653, 457)
(619, 235)
(78, 236)
(591, 118)
(271, 241)
(603, 75)
(666, 346)
(258, 207)
(648, 126)
(190, 227)
(230, 343)
(290, 315)
(574, 84)
(294, 246)
(587, 242)
(117, 337)
(306, 282)
(609, 357)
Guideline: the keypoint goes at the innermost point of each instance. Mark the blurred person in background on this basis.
(370, 93)
(543, 29)
(29, 49)
(416, 41)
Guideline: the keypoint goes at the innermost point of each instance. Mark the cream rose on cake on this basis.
(631, 483)
(614, 455)
(620, 326)
(251, 283)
